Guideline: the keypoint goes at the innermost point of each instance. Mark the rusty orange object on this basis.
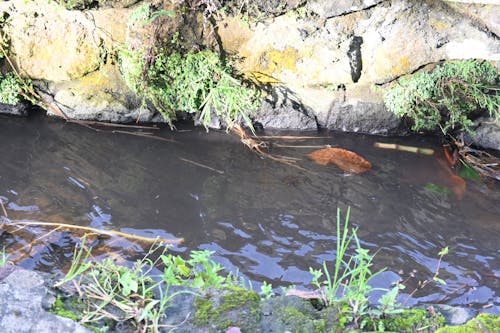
(342, 158)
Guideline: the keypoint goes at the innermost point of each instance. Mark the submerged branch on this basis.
(95, 231)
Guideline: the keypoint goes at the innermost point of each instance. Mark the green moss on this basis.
(236, 307)
(302, 323)
(413, 320)
(60, 308)
(483, 323)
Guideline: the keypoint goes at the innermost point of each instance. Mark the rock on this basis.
(284, 116)
(102, 95)
(485, 14)
(261, 8)
(23, 295)
(454, 315)
(487, 134)
(360, 110)
(329, 9)
(483, 323)
(19, 109)
(293, 314)
(62, 54)
(327, 65)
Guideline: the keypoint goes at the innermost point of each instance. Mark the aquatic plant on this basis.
(449, 97)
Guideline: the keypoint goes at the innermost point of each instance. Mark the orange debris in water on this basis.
(342, 158)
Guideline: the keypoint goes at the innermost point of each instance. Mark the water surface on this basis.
(268, 220)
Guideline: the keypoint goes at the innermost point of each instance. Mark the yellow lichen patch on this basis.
(271, 64)
(390, 63)
(234, 33)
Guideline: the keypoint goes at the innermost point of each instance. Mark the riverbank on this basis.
(26, 295)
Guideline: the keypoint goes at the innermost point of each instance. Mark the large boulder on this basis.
(336, 65)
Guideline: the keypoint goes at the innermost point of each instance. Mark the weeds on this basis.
(115, 293)
(449, 97)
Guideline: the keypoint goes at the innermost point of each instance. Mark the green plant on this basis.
(191, 82)
(266, 290)
(11, 89)
(348, 286)
(449, 97)
(116, 293)
(4, 258)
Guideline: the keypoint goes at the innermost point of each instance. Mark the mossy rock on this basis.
(483, 323)
(293, 314)
(218, 310)
(409, 321)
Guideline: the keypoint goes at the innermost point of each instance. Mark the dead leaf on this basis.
(342, 158)
(233, 330)
(458, 186)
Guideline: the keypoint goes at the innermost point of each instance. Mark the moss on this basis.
(236, 307)
(413, 320)
(60, 308)
(483, 323)
(302, 323)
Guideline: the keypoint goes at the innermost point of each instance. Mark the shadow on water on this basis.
(267, 220)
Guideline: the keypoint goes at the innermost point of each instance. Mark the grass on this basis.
(4, 258)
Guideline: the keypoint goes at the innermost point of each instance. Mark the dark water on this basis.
(267, 220)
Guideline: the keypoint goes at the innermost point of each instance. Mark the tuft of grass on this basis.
(447, 98)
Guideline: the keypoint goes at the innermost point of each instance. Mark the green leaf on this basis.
(467, 172)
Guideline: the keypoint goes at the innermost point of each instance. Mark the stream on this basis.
(266, 220)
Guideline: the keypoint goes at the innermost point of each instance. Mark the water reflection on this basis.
(265, 219)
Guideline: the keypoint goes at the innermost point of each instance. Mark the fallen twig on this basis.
(96, 123)
(410, 149)
(95, 231)
(3, 209)
(257, 147)
(290, 137)
(305, 147)
(201, 165)
(144, 135)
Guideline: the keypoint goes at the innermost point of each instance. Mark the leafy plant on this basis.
(449, 97)
(192, 82)
(266, 290)
(11, 89)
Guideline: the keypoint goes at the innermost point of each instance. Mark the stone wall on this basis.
(323, 63)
